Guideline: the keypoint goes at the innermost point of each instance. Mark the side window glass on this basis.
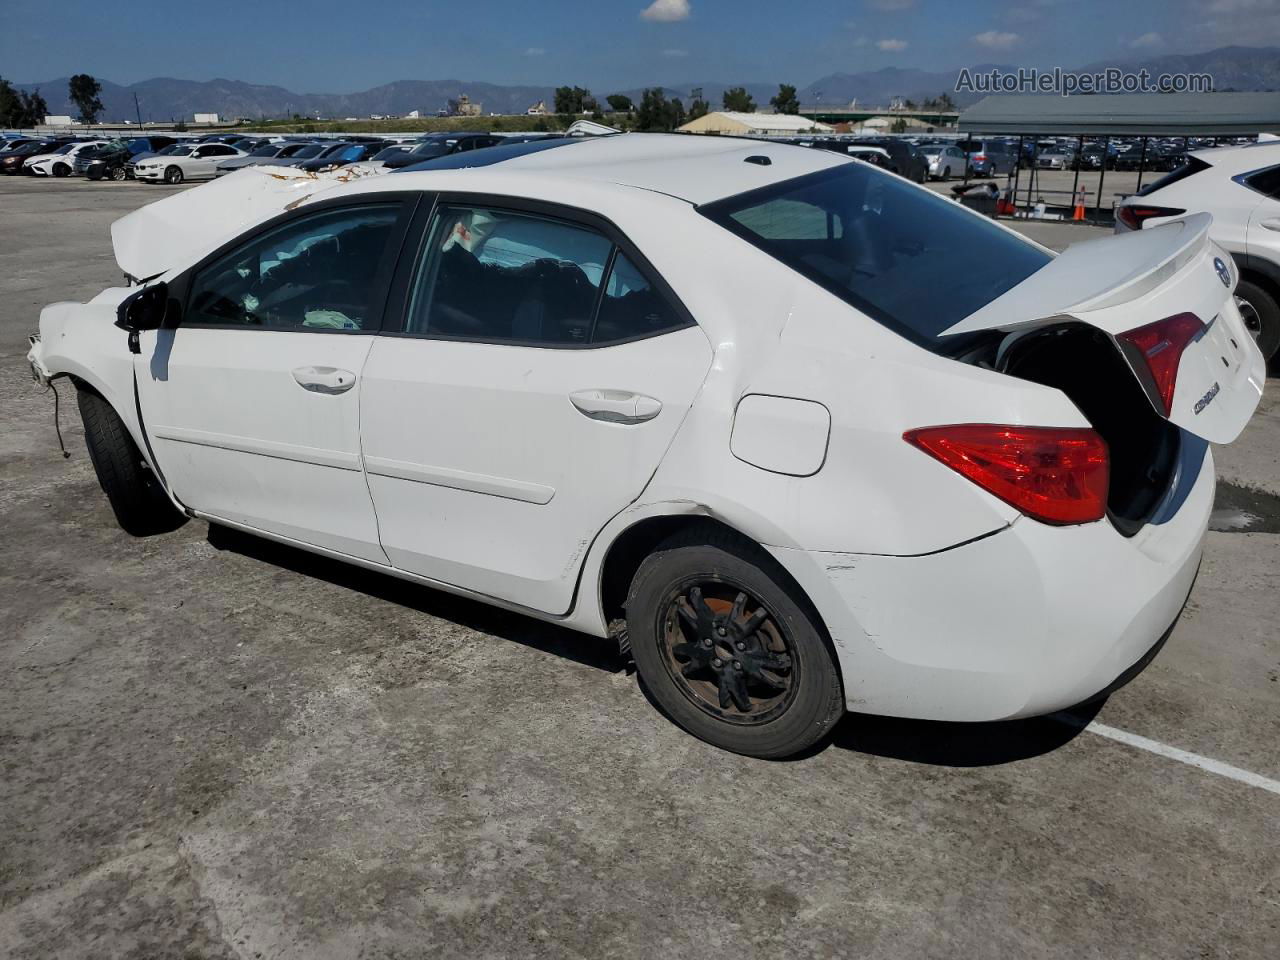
(315, 273)
(502, 276)
(631, 307)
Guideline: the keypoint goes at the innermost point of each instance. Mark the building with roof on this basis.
(759, 124)
(1126, 114)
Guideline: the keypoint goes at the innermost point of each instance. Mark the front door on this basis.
(252, 400)
(541, 372)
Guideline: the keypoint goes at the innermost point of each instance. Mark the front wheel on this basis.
(1261, 316)
(730, 649)
(61, 170)
(173, 175)
(139, 502)
(118, 173)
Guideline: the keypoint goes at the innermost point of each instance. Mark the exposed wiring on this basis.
(57, 427)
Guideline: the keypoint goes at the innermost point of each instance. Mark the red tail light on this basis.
(1161, 345)
(1134, 217)
(1053, 474)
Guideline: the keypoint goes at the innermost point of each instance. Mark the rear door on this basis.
(541, 370)
(251, 399)
(1204, 374)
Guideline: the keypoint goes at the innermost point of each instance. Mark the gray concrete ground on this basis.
(214, 747)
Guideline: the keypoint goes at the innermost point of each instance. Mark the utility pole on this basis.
(137, 109)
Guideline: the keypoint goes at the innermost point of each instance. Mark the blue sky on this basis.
(346, 45)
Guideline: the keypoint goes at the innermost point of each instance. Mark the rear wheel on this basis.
(139, 502)
(173, 174)
(727, 648)
(946, 174)
(1261, 316)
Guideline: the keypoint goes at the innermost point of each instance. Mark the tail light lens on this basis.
(1056, 475)
(1135, 216)
(1161, 345)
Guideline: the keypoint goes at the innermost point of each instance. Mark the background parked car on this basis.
(61, 162)
(988, 158)
(1240, 187)
(11, 161)
(441, 145)
(904, 159)
(345, 154)
(945, 160)
(197, 161)
(283, 150)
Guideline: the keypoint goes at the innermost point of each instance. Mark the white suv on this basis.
(1240, 187)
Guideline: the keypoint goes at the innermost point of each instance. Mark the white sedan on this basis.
(801, 435)
(197, 161)
(945, 161)
(60, 163)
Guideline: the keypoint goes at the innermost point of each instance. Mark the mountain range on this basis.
(165, 98)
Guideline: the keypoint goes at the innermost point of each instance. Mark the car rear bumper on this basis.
(1025, 621)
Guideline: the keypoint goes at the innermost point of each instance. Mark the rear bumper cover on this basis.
(1025, 621)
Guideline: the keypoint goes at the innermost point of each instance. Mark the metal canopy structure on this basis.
(1126, 114)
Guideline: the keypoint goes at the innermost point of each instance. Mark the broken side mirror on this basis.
(144, 310)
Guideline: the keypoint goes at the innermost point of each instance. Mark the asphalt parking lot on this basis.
(216, 747)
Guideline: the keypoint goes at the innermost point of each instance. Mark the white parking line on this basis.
(1247, 777)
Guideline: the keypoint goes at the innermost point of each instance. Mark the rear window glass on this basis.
(910, 259)
(1193, 166)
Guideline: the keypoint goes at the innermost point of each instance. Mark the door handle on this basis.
(615, 406)
(328, 380)
(1273, 223)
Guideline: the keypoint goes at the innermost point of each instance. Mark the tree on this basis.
(620, 103)
(18, 108)
(739, 101)
(699, 108)
(899, 125)
(786, 101)
(946, 103)
(83, 91)
(657, 113)
(574, 100)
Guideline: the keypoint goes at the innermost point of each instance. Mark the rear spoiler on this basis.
(1093, 275)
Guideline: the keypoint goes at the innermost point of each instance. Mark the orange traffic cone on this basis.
(1078, 213)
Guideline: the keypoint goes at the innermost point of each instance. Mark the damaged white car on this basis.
(804, 435)
(60, 163)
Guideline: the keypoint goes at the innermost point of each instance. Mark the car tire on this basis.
(946, 174)
(139, 502)
(61, 170)
(690, 612)
(118, 174)
(173, 175)
(1261, 316)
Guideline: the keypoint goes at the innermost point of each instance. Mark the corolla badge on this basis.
(1223, 273)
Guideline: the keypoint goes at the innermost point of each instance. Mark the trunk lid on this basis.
(1121, 283)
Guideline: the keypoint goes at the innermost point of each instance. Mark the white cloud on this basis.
(996, 40)
(890, 6)
(535, 52)
(673, 52)
(892, 46)
(666, 11)
(1147, 41)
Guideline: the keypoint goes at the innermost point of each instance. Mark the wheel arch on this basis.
(609, 570)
